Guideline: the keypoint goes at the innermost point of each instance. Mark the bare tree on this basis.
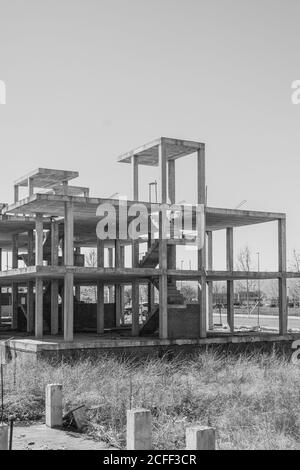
(294, 284)
(91, 258)
(244, 263)
(189, 293)
(91, 261)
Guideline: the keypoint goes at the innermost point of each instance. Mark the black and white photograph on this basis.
(149, 228)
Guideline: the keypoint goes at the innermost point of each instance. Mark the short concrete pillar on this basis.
(139, 433)
(3, 437)
(54, 405)
(200, 438)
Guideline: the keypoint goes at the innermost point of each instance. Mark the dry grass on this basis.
(253, 402)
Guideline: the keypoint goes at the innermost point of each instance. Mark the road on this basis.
(269, 321)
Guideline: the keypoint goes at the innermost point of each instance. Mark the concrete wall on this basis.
(85, 317)
(184, 322)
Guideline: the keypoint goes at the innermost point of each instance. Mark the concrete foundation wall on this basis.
(280, 348)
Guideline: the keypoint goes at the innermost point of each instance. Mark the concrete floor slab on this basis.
(40, 437)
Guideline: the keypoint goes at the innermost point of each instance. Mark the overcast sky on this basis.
(88, 80)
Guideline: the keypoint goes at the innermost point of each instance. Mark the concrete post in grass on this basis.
(54, 412)
(200, 438)
(139, 433)
(3, 437)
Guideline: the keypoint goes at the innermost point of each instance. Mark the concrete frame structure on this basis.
(34, 227)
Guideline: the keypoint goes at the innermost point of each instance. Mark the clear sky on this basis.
(88, 80)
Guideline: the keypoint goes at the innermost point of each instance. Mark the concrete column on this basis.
(200, 438)
(162, 161)
(100, 308)
(201, 187)
(16, 193)
(39, 240)
(14, 289)
(3, 437)
(139, 432)
(100, 253)
(201, 199)
(172, 192)
(30, 186)
(230, 289)
(68, 307)
(30, 249)
(150, 297)
(77, 286)
(54, 283)
(39, 317)
(65, 187)
(135, 177)
(69, 277)
(210, 284)
(100, 289)
(0, 286)
(163, 279)
(30, 307)
(69, 235)
(118, 304)
(135, 252)
(54, 307)
(135, 295)
(118, 286)
(110, 265)
(282, 297)
(54, 411)
(30, 284)
(163, 255)
(122, 288)
(54, 243)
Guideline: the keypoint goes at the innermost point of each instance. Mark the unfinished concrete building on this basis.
(47, 231)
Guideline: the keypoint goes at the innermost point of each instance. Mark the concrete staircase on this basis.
(175, 298)
(152, 323)
(174, 295)
(151, 258)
